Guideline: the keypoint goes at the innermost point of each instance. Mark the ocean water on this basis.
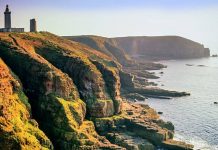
(195, 117)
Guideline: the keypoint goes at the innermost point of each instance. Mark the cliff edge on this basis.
(60, 94)
(163, 47)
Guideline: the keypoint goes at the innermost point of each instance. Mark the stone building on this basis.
(33, 26)
(8, 27)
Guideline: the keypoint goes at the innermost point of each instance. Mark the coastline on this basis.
(83, 93)
(198, 105)
(136, 91)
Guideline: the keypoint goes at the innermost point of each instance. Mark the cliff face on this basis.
(147, 48)
(17, 129)
(166, 47)
(104, 45)
(73, 92)
(53, 94)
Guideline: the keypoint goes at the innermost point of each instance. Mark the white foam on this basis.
(199, 144)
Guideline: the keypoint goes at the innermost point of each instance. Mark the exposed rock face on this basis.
(113, 85)
(126, 80)
(89, 77)
(17, 129)
(147, 48)
(74, 91)
(166, 47)
(130, 142)
(139, 128)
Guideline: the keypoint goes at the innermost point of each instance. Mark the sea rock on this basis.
(130, 142)
(138, 127)
(160, 113)
(177, 145)
(168, 125)
(215, 55)
(135, 96)
(189, 65)
(201, 66)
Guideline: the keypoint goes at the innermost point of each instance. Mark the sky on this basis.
(193, 19)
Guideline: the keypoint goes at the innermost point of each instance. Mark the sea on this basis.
(195, 117)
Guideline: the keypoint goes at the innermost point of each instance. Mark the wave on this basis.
(199, 144)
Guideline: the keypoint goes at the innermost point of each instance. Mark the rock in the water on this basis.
(134, 96)
(160, 113)
(189, 65)
(130, 142)
(141, 123)
(201, 66)
(177, 145)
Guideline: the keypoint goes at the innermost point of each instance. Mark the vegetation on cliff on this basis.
(104, 45)
(75, 96)
(17, 129)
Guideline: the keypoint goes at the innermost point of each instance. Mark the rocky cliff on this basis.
(59, 94)
(165, 47)
(18, 130)
(147, 48)
(104, 45)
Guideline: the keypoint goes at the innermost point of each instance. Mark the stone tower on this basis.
(33, 27)
(7, 18)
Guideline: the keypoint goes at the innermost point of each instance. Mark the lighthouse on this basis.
(7, 18)
(8, 27)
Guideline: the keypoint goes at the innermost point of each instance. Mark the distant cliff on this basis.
(104, 45)
(162, 47)
(148, 48)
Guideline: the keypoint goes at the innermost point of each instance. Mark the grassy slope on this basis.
(104, 45)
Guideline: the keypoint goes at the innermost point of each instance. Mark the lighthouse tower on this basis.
(7, 18)
(8, 27)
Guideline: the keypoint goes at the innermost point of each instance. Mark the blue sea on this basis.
(195, 117)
